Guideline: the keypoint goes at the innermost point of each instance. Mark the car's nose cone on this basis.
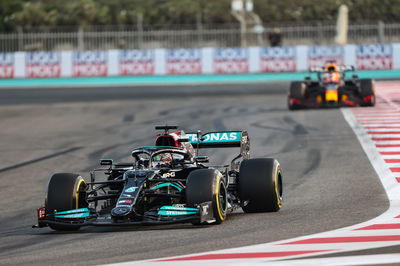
(120, 211)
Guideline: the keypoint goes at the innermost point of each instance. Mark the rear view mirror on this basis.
(183, 140)
(201, 159)
(106, 161)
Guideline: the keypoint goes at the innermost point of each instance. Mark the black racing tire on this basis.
(367, 88)
(260, 184)
(66, 191)
(296, 91)
(205, 185)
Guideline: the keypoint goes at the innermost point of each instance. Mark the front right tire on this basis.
(66, 191)
(297, 93)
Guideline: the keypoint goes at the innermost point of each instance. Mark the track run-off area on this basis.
(341, 175)
(378, 130)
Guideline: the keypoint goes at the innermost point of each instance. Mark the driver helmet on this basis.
(161, 160)
(331, 68)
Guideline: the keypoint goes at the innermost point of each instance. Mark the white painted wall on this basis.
(205, 60)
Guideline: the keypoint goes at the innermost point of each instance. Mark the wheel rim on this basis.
(279, 190)
(222, 197)
(278, 187)
(79, 199)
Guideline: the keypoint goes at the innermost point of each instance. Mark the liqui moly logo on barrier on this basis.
(231, 60)
(89, 63)
(374, 56)
(318, 55)
(43, 64)
(278, 59)
(136, 62)
(183, 61)
(6, 65)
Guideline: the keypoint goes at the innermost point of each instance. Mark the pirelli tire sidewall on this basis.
(296, 91)
(260, 185)
(205, 185)
(367, 89)
(219, 197)
(65, 191)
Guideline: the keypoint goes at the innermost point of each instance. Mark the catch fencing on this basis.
(188, 36)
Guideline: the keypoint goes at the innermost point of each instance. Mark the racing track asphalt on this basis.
(328, 181)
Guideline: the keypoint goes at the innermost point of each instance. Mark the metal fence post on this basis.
(140, 29)
(81, 44)
(381, 31)
(20, 39)
(199, 25)
(319, 33)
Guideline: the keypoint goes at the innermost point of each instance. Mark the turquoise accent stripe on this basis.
(176, 208)
(166, 185)
(178, 79)
(175, 211)
(74, 211)
(72, 214)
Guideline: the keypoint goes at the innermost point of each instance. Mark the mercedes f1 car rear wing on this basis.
(223, 139)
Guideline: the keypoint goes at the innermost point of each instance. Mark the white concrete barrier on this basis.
(195, 61)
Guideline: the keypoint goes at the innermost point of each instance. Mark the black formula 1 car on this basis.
(331, 89)
(166, 183)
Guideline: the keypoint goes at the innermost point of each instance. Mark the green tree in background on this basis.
(7, 9)
(53, 13)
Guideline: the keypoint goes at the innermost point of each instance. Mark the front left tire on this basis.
(367, 92)
(66, 191)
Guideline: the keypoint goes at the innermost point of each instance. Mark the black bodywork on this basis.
(326, 91)
(147, 192)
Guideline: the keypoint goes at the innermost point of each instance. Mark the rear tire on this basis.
(260, 183)
(65, 191)
(296, 92)
(367, 89)
(205, 185)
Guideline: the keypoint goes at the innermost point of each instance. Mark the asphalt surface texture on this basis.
(328, 181)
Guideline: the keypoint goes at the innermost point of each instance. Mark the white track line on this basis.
(382, 231)
(336, 261)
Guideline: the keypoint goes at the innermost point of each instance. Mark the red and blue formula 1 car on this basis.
(166, 183)
(331, 89)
